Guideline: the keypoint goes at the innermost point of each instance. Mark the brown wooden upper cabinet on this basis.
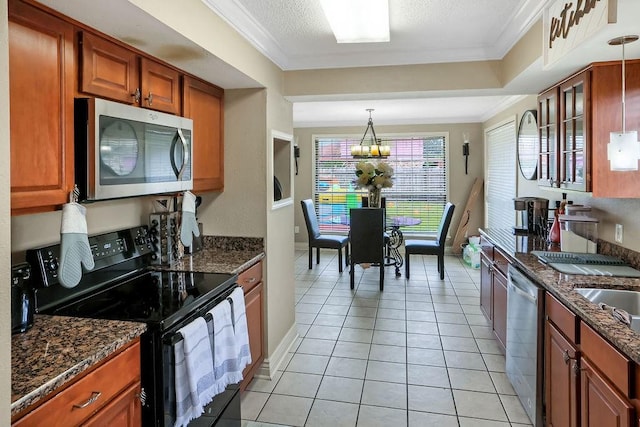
(575, 119)
(203, 103)
(41, 84)
(112, 71)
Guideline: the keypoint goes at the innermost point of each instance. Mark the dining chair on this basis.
(322, 241)
(431, 247)
(367, 240)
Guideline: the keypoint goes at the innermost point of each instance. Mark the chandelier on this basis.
(370, 146)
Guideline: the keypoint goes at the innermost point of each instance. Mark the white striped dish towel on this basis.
(194, 377)
(224, 347)
(240, 328)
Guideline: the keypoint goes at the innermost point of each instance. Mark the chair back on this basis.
(367, 235)
(445, 222)
(310, 218)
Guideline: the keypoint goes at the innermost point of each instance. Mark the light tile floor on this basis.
(420, 353)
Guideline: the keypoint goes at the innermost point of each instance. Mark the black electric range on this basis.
(124, 285)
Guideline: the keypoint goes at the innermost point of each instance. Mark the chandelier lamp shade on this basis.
(623, 150)
(370, 146)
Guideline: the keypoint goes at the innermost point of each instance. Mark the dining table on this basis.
(395, 240)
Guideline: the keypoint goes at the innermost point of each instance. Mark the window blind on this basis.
(500, 173)
(419, 191)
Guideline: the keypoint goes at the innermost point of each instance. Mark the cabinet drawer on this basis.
(249, 278)
(500, 261)
(562, 317)
(94, 390)
(615, 366)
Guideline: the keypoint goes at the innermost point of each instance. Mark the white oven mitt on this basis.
(74, 245)
(189, 226)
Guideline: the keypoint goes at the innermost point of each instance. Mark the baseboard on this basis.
(301, 246)
(272, 364)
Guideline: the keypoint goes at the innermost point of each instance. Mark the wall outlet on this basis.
(618, 236)
(296, 229)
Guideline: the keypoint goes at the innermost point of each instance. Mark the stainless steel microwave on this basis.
(126, 151)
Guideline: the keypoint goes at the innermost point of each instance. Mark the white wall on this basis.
(5, 223)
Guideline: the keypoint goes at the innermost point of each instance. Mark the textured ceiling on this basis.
(296, 34)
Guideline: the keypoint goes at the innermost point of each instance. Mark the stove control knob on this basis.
(52, 265)
(154, 256)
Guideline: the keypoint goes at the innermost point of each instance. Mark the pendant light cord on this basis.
(623, 90)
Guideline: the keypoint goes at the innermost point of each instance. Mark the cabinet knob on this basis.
(136, 95)
(566, 357)
(149, 99)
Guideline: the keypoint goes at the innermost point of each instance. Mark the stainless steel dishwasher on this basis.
(525, 338)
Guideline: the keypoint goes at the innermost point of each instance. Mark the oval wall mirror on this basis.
(528, 144)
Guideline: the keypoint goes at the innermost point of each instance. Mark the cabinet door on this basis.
(41, 81)
(124, 411)
(486, 287)
(561, 379)
(253, 303)
(500, 307)
(575, 107)
(160, 86)
(203, 103)
(548, 138)
(108, 70)
(606, 102)
(601, 405)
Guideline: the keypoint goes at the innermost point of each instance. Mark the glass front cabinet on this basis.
(548, 138)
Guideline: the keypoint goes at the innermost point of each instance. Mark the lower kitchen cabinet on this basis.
(561, 379)
(107, 395)
(602, 405)
(493, 290)
(251, 282)
(588, 382)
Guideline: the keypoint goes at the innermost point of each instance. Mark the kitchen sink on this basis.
(616, 299)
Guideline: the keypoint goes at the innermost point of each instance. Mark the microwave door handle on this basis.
(185, 154)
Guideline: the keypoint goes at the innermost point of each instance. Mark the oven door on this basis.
(223, 410)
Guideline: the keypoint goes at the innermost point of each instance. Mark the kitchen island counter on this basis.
(57, 349)
(562, 287)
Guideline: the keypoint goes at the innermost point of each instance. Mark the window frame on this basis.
(355, 139)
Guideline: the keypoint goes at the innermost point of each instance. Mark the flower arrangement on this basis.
(373, 177)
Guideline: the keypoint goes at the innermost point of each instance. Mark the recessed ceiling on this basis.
(296, 35)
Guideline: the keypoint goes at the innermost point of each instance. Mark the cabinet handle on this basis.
(566, 357)
(94, 396)
(250, 280)
(149, 99)
(136, 95)
(576, 369)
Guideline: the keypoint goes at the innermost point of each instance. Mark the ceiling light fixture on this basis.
(358, 21)
(370, 147)
(623, 150)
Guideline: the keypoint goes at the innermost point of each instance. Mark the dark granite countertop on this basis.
(58, 348)
(562, 287)
(230, 255)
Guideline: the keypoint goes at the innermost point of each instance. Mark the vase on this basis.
(375, 197)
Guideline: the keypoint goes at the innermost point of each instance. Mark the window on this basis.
(500, 175)
(419, 190)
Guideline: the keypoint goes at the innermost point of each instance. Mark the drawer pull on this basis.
(250, 280)
(94, 396)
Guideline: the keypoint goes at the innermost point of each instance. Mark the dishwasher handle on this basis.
(521, 285)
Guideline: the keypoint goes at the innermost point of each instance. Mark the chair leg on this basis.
(318, 255)
(382, 276)
(441, 266)
(340, 260)
(351, 274)
(310, 257)
(406, 265)
(346, 256)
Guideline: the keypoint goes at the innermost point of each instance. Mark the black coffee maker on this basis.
(22, 298)
(534, 213)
